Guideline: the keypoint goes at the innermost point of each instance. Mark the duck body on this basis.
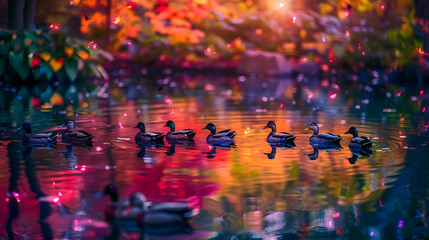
(359, 144)
(137, 212)
(144, 137)
(180, 135)
(71, 135)
(76, 135)
(222, 138)
(39, 139)
(322, 139)
(278, 138)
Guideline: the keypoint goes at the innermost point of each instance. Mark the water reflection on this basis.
(274, 147)
(324, 147)
(242, 194)
(212, 152)
(14, 194)
(147, 158)
(356, 154)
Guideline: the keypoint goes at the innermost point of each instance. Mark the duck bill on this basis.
(265, 127)
(307, 128)
(165, 125)
(203, 128)
(62, 126)
(346, 132)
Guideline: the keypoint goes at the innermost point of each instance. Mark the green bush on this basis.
(38, 56)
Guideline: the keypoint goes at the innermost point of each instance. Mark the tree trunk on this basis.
(422, 15)
(29, 12)
(15, 18)
(425, 41)
(108, 20)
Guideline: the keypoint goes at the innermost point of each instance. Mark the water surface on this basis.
(249, 191)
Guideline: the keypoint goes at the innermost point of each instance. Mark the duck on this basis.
(181, 135)
(224, 137)
(71, 135)
(147, 137)
(281, 138)
(321, 139)
(137, 210)
(358, 144)
(38, 139)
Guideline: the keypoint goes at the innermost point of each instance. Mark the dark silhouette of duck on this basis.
(71, 135)
(144, 137)
(180, 135)
(38, 139)
(357, 143)
(160, 218)
(222, 138)
(322, 138)
(280, 138)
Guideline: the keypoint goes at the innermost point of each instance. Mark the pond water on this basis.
(248, 191)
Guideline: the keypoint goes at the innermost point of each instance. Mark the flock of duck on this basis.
(221, 138)
(165, 218)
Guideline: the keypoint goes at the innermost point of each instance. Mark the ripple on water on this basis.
(228, 183)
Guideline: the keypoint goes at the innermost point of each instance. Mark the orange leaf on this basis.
(69, 51)
(56, 64)
(56, 99)
(83, 55)
(45, 56)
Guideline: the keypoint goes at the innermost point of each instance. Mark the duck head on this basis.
(171, 125)
(313, 126)
(271, 125)
(353, 131)
(138, 200)
(211, 127)
(141, 126)
(69, 124)
(26, 126)
(110, 190)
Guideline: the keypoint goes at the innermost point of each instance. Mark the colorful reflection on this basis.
(251, 190)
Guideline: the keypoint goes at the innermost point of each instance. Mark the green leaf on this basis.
(17, 43)
(18, 60)
(36, 73)
(4, 47)
(12, 57)
(47, 70)
(71, 69)
(45, 96)
(23, 71)
(61, 75)
(93, 68)
(33, 49)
